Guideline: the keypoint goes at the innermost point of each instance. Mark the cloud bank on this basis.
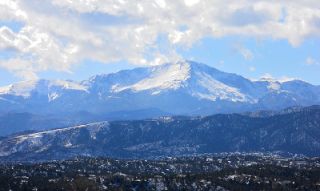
(57, 34)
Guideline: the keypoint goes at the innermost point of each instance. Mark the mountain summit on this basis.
(182, 88)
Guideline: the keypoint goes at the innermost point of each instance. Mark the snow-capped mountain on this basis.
(44, 87)
(182, 88)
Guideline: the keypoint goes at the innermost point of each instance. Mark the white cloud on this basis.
(9, 10)
(58, 34)
(161, 3)
(21, 68)
(252, 68)
(269, 77)
(191, 3)
(245, 52)
(311, 61)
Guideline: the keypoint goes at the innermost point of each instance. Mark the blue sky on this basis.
(274, 57)
(57, 39)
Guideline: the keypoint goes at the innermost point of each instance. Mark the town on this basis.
(225, 171)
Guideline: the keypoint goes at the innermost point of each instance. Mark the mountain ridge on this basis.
(295, 130)
(182, 88)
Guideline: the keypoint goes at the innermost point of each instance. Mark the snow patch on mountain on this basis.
(274, 86)
(19, 89)
(168, 76)
(53, 96)
(212, 89)
(41, 141)
(26, 88)
(68, 85)
(93, 128)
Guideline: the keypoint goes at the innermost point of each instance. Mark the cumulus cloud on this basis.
(57, 34)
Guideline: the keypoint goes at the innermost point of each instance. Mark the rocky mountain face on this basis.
(182, 88)
(293, 130)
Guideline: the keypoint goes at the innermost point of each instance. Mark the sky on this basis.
(65, 39)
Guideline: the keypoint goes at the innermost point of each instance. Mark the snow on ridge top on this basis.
(197, 77)
(20, 89)
(68, 85)
(93, 128)
(267, 79)
(274, 84)
(271, 79)
(25, 88)
(207, 87)
(5, 89)
(167, 76)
